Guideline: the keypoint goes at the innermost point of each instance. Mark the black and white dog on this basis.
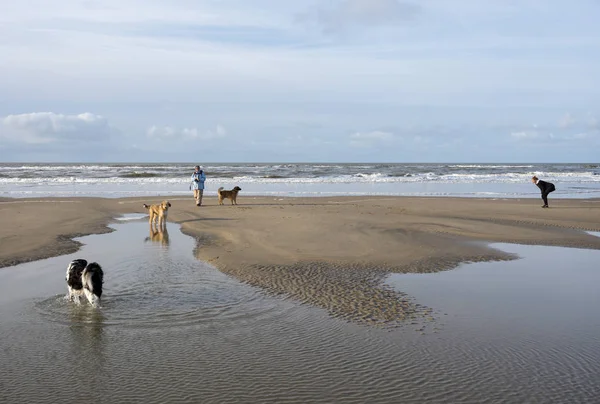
(85, 279)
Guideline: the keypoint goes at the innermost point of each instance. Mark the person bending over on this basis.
(545, 187)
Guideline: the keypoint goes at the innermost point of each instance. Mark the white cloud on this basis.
(532, 134)
(130, 11)
(365, 139)
(525, 134)
(49, 127)
(172, 133)
(581, 136)
(348, 13)
(568, 128)
(374, 135)
(567, 121)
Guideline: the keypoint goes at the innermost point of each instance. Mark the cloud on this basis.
(566, 121)
(564, 133)
(172, 133)
(49, 128)
(374, 135)
(370, 13)
(362, 139)
(582, 136)
(569, 127)
(530, 134)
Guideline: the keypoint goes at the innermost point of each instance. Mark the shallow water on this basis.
(173, 329)
(534, 322)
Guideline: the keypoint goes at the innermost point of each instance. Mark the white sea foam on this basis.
(489, 166)
(357, 178)
(281, 179)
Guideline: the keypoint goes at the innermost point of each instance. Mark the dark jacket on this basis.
(545, 187)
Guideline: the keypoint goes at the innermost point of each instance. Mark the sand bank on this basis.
(325, 251)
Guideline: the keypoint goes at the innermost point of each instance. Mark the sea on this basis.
(115, 180)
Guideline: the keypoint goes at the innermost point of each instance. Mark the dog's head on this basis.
(237, 189)
(165, 205)
(75, 269)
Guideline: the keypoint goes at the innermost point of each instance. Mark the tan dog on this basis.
(158, 213)
(228, 195)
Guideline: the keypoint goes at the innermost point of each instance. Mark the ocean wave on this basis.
(63, 168)
(489, 166)
(146, 177)
(373, 176)
(136, 175)
(139, 175)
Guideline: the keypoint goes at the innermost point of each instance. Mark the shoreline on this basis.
(342, 229)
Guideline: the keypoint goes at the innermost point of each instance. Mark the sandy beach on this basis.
(408, 234)
(329, 252)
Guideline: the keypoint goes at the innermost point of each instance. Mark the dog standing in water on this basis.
(158, 214)
(85, 279)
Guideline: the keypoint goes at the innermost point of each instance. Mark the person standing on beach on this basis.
(545, 187)
(198, 178)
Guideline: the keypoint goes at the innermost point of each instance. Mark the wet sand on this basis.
(329, 252)
(173, 329)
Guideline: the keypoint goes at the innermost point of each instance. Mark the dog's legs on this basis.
(92, 298)
(153, 219)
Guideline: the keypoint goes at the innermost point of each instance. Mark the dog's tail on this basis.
(146, 206)
(92, 278)
(219, 190)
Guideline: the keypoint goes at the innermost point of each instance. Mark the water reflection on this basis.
(158, 236)
(86, 332)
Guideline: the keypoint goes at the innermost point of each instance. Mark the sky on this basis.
(309, 81)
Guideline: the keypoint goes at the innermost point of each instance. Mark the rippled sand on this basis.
(355, 292)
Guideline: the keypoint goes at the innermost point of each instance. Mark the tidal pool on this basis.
(174, 329)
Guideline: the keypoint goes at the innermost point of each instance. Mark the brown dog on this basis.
(228, 195)
(158, 213)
